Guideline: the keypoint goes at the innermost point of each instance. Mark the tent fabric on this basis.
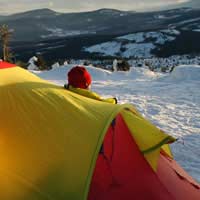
(47, 133)
(4, 65)
(50, 137)
(146, 140)
(176, 180)
(121, 172)
(90, 94)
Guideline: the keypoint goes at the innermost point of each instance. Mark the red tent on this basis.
(122, 172)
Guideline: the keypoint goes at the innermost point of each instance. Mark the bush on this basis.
(21, 64)
(123, 65)
(41, 63)
(163, 69)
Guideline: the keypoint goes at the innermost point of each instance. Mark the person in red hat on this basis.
(79, 77)
(79, 81)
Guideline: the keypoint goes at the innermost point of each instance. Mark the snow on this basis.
(52, 47)
(31, 63)
(166, 17)
(189, 21)
(185, 73)
(58, 32)
(141, 50)
(171, 31)
(137, 37)
(55, 65)
(107, 48)
(159, 36)
(157, 64)
(170, 101)
(137, 45)
(160, 16)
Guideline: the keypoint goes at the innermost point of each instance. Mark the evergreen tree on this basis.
(5, 36)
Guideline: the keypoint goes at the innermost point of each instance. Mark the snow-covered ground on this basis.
(171, 102)
(159, 63)
(137, 45)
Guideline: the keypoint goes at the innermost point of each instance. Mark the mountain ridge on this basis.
(48, 24)
(56, 34)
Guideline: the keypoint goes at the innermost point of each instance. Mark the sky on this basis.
(15, 6)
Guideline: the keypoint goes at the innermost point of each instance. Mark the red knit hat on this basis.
(79, 77)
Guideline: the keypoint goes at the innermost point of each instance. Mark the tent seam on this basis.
(95, 155)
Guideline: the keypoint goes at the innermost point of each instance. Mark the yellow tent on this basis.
(50, 137)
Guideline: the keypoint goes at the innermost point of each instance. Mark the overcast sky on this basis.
(14, 6)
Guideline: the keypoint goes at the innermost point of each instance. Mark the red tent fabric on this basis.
(4, 65)
(176, 180)
(122, 172)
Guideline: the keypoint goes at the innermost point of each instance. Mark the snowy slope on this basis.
(139, 45)
(172, 102)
